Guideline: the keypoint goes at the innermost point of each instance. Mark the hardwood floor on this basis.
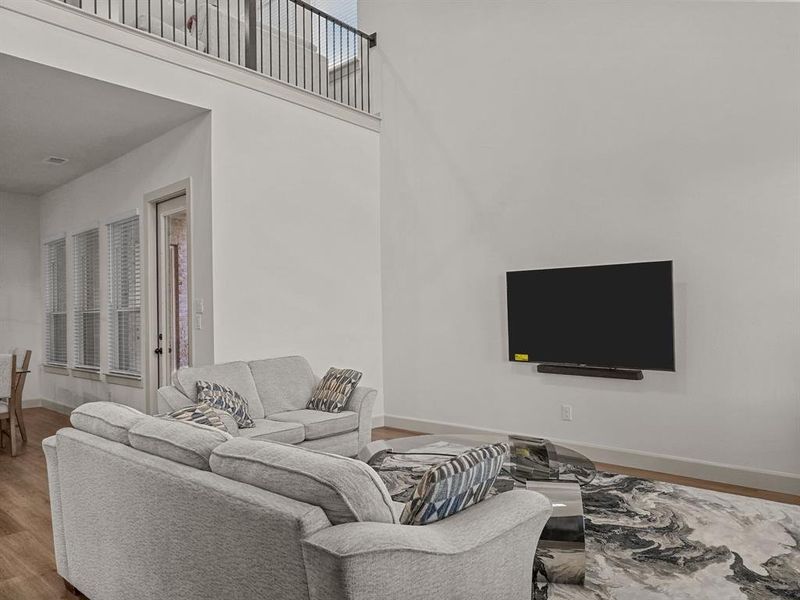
(27, 568)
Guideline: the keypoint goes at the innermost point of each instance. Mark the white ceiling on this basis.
(48, 112)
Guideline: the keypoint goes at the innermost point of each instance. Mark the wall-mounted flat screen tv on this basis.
(616, 316)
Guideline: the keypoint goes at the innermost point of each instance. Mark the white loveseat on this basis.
(277, 391)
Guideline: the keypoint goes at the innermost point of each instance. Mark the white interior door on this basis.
(173, 343)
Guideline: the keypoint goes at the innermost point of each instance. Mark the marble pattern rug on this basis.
(648, 540)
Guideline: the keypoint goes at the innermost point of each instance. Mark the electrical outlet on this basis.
(198, 321)
(566, 412)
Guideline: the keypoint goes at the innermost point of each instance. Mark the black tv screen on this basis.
(603, 316)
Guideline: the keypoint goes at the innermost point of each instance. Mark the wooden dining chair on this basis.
(19, 386)
(8, 401)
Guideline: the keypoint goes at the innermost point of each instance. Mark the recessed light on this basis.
(55, 160)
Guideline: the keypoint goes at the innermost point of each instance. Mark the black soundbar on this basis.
(582, 371)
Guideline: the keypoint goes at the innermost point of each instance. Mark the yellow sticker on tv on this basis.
(521, 357)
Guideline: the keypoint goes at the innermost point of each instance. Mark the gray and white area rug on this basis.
(648, 540)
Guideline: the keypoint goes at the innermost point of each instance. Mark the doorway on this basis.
(173, 343)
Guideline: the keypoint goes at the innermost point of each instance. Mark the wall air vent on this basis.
(55, 160)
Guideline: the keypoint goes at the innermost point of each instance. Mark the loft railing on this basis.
(289, 40)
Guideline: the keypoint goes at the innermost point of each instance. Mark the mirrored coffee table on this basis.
(534, 464)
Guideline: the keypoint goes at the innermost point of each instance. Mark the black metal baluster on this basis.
(261, 32)
(149, 16)
(327, 63)
(185, 27)
(238, 32)
(208, 28)
(296, 79)
(280, 63)
(319, 52)
(341, 68)
(228, 28)
(218, 38)
(304, 45)
(270, 38)
(361, 67)
(123, 12)
(369, 87)
(349, 61)
(196, 25)
(136, 9)
(173, 20)
(288, 60)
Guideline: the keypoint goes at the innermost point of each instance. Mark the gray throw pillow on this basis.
(225, 399)
(334, 390)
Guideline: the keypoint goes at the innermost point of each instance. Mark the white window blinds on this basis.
(125, 296)
(86, 298)
(55, 272)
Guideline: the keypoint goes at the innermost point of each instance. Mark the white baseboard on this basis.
(776, 481)
(57, 407)
(32, 403)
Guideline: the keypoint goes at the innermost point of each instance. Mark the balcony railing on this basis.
(288, 40)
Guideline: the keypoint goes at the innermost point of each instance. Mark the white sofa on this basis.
(277, 391)
(152, 509)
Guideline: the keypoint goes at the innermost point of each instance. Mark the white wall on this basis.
(539, 134)
(20, 297)
(296, 240)
(116, 189)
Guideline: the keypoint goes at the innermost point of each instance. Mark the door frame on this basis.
(151, 201)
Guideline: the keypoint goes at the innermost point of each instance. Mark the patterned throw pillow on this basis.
(334, 390)
(202, 414)
(455, 485)
(225, 399)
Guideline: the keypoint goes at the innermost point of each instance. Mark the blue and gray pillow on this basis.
(454, 485)
(225, 399)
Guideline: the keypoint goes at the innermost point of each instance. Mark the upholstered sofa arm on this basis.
(169, 399)
(362, 402)
(54, 484)
(483, 552)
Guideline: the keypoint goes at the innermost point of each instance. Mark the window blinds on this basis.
(86, 305)
(55, 318)
(125, 296)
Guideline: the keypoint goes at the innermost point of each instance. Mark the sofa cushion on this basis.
(202, 414)
(225, 399)
(108, 420)
(284, 383)
(179, 441)
(274, 431)
(454, 485)
(235, 375)
(334, 390)
(346, 489)
(320, 424)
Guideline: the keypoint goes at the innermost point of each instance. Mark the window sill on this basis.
(86, 374)
(133, 381)
(56, 370)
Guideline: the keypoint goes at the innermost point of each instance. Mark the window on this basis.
(338, 48)
(55, 318)
(86, 307)
(125, 297)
